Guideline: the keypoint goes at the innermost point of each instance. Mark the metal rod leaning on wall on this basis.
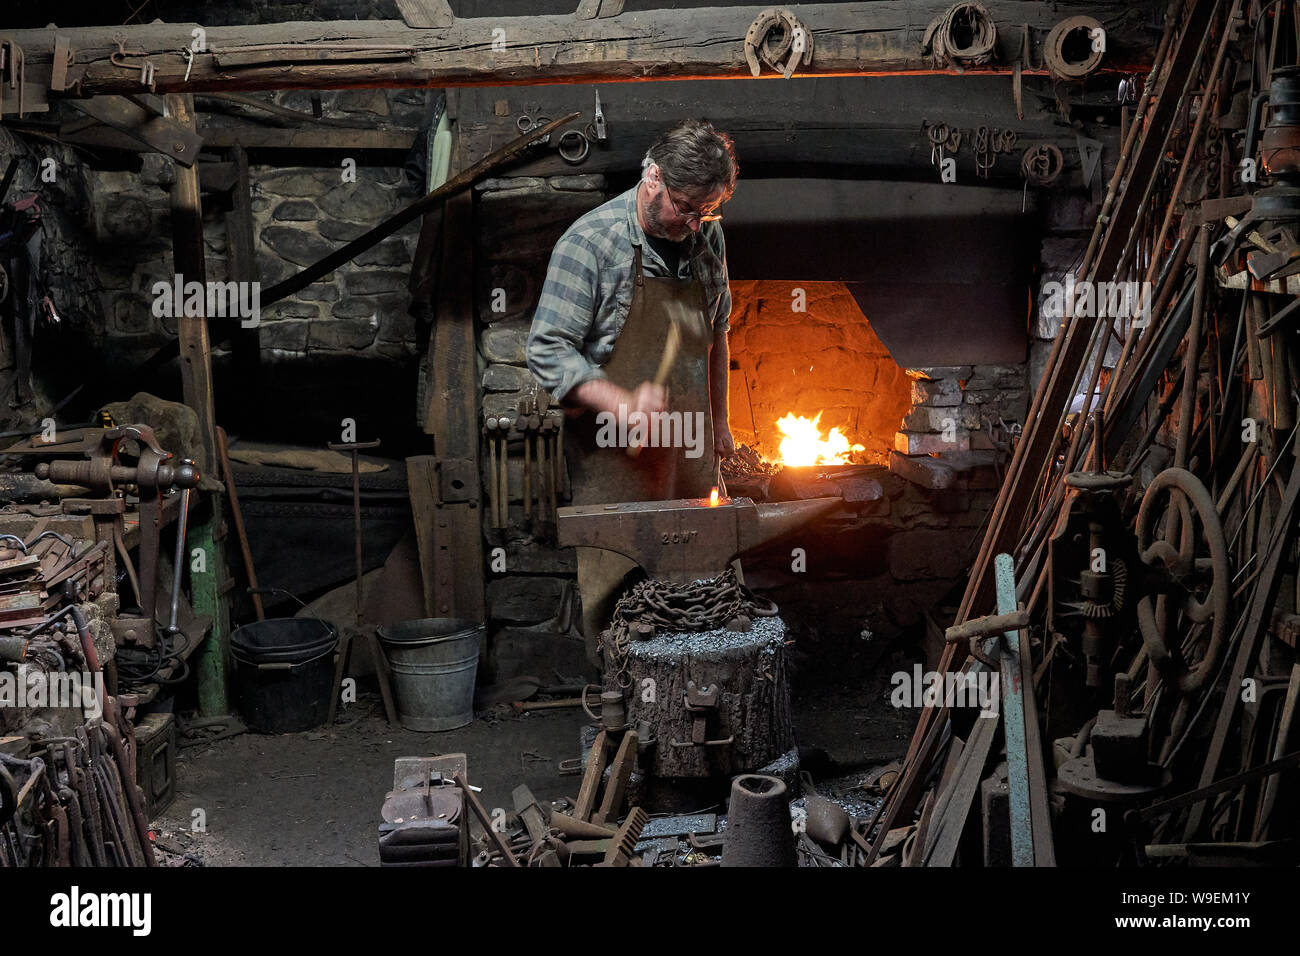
(1102, 258)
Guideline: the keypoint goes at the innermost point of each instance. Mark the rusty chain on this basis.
(698, 606)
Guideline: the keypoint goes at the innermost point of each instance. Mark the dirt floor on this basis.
(313, 799)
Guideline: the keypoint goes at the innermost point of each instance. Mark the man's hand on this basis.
(723, 444)
(648, 398)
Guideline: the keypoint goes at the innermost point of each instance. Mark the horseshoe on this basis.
(795, 39)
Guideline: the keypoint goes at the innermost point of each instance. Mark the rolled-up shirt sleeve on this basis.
(565, 313)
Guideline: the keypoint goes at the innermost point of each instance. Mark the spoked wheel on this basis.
(1187, 586)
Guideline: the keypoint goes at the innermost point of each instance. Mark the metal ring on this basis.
(524, 123)
(1054, 49)
(567, 153)
(1041, 164)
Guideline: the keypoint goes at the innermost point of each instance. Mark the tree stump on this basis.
(752, 705)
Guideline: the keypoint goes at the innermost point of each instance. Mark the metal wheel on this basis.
(1182, 579)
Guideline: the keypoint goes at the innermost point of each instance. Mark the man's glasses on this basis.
(691, 215)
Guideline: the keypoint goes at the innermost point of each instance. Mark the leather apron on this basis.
(605, 475)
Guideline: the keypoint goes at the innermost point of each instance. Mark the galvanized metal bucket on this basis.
(434, 663)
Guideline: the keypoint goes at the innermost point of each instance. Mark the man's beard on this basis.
(656, 223)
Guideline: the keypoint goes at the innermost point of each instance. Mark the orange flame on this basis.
(713, 497)
(802, 442)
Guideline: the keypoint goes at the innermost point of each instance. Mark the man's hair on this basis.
(694, 156)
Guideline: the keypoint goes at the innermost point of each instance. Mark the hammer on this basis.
(691, 327)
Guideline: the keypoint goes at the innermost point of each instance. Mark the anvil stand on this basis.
(372, 642)
(722, 702)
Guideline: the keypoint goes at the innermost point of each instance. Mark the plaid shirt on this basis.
(588, 291)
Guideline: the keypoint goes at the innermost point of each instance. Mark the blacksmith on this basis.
(618, 280)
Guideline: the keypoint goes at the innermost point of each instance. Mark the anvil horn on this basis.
(772, 521)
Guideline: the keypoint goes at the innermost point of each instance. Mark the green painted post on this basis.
(210, 658)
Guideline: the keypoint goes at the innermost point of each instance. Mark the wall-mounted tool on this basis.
(596, 128)
(1042, 164)
(490, 427)
(943, 139)
(989, 144)
(535, 517)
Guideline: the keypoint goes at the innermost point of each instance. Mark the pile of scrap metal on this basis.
(73, 800)
(69, 772)
(426, 822)
(1142, 549)
(89, 495)
(426, 818)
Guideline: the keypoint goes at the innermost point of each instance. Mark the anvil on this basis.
(685, 539)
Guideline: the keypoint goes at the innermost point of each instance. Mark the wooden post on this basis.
(187, 254)
(196, 386)
(206, 597)
(243, 260)
(445, 488)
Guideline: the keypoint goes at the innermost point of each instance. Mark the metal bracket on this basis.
(700, 702)
(457, 481)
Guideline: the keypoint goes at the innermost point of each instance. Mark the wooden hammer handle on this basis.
(670, 354)
(671, 347)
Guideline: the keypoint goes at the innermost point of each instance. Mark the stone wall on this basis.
(517, 222)
(961, 416)
(300, 216)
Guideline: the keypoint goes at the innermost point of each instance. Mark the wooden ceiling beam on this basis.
(850, 39)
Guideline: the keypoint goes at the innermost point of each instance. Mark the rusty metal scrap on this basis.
(1153, 529)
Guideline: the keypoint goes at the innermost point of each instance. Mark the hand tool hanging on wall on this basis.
(521, 426)
(503, 432)
(494, 485)
(533, 438)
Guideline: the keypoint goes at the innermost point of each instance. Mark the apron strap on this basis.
(636, 263)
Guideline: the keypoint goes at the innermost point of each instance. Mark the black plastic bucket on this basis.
(284, 673)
